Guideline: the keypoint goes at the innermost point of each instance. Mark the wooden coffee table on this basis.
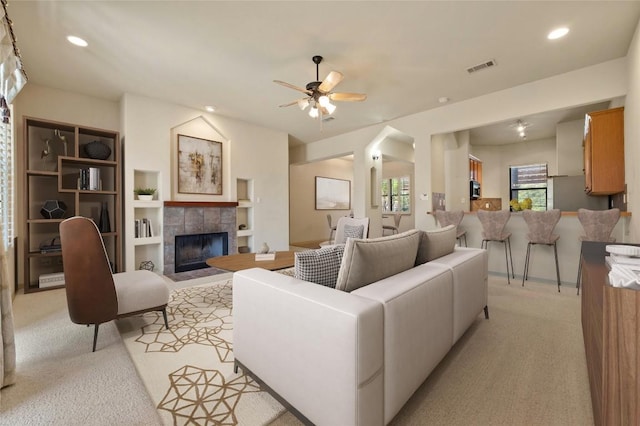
(238, 262)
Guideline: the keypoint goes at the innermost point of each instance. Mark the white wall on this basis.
(251, 152)
(306, 223)
(569, 151)
(632, 134)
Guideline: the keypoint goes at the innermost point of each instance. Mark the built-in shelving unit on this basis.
(244, 215)
(55, 155)
(148, 247)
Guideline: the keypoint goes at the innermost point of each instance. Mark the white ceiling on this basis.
(404, 55)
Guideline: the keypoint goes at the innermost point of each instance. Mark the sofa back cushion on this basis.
(436, 243)
(319, 266)
(369, 260)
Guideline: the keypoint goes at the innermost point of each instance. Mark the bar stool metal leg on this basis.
(555, 252)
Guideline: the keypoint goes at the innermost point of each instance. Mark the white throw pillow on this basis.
(369, 260)
(436, 243)
(319, 266)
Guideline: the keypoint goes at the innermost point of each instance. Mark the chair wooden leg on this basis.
(164, 314)
(95, 337)
(486, 312)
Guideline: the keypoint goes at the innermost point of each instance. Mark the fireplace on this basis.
(192, 251)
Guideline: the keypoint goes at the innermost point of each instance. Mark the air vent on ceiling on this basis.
(488, 64)
(327, 119)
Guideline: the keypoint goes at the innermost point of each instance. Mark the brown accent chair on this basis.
(94, 294)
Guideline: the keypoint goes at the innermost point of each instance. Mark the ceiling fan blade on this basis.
(289, 104)
(291, 86)
(330, 81)
(349, 97)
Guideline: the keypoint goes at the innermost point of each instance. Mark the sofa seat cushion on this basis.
(319, 266)
(436, 243)
(369, 260)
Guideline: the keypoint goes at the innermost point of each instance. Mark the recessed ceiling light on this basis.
(558, 33)
(210, 108)
(443, 99)
(77, 41)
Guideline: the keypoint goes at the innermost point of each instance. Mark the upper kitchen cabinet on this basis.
(604, 152)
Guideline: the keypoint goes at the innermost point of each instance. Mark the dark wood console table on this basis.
(611, 331)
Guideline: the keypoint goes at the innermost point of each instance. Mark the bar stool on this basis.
(446, 218)
(493, 223)
(541, 225)
(598, 226)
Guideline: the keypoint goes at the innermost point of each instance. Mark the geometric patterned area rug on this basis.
(188, 369)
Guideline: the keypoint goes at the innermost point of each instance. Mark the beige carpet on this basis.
(188, 369)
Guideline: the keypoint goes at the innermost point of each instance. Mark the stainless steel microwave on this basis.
(474, 189)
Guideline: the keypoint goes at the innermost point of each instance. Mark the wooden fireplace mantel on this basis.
(201, 204)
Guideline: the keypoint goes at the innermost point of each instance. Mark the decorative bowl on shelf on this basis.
(145, 197)
(97, 150)
(53, 209)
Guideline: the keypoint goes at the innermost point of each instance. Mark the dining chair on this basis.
(94, 294)
(598, 226)
(349, 227)
(454, 217)
(493, 224)
(332, 228)
(396, 224)
(541, 225)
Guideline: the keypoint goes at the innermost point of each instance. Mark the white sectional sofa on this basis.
(355, 358)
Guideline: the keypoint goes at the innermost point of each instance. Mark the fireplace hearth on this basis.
(193, 250)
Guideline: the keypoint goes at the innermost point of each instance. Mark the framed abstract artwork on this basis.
(333, 194)
(199, 166)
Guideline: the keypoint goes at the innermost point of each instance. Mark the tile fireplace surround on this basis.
(185, 218)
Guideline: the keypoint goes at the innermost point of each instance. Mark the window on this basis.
(529, 181)
(396, 194)
(6, 171)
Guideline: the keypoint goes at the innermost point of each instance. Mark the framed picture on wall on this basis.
(199, 166)
(333, 194)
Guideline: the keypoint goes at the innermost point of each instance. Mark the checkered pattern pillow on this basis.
(351, 231)
(319, 266)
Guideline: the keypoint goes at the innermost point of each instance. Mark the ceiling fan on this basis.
(319, 93)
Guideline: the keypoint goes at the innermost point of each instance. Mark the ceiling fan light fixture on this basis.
(330, 108)
(324, 100)
(313, 112)
(303, 103)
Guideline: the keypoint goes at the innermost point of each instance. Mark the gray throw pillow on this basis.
(319, 266)
(352, 231)
(436, 243)
(369, 260)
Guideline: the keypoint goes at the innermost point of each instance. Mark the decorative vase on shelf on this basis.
(104, 224)
(264, 248)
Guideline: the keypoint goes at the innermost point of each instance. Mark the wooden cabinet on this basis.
(611, 331)
(57, 160)
(604, 152)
